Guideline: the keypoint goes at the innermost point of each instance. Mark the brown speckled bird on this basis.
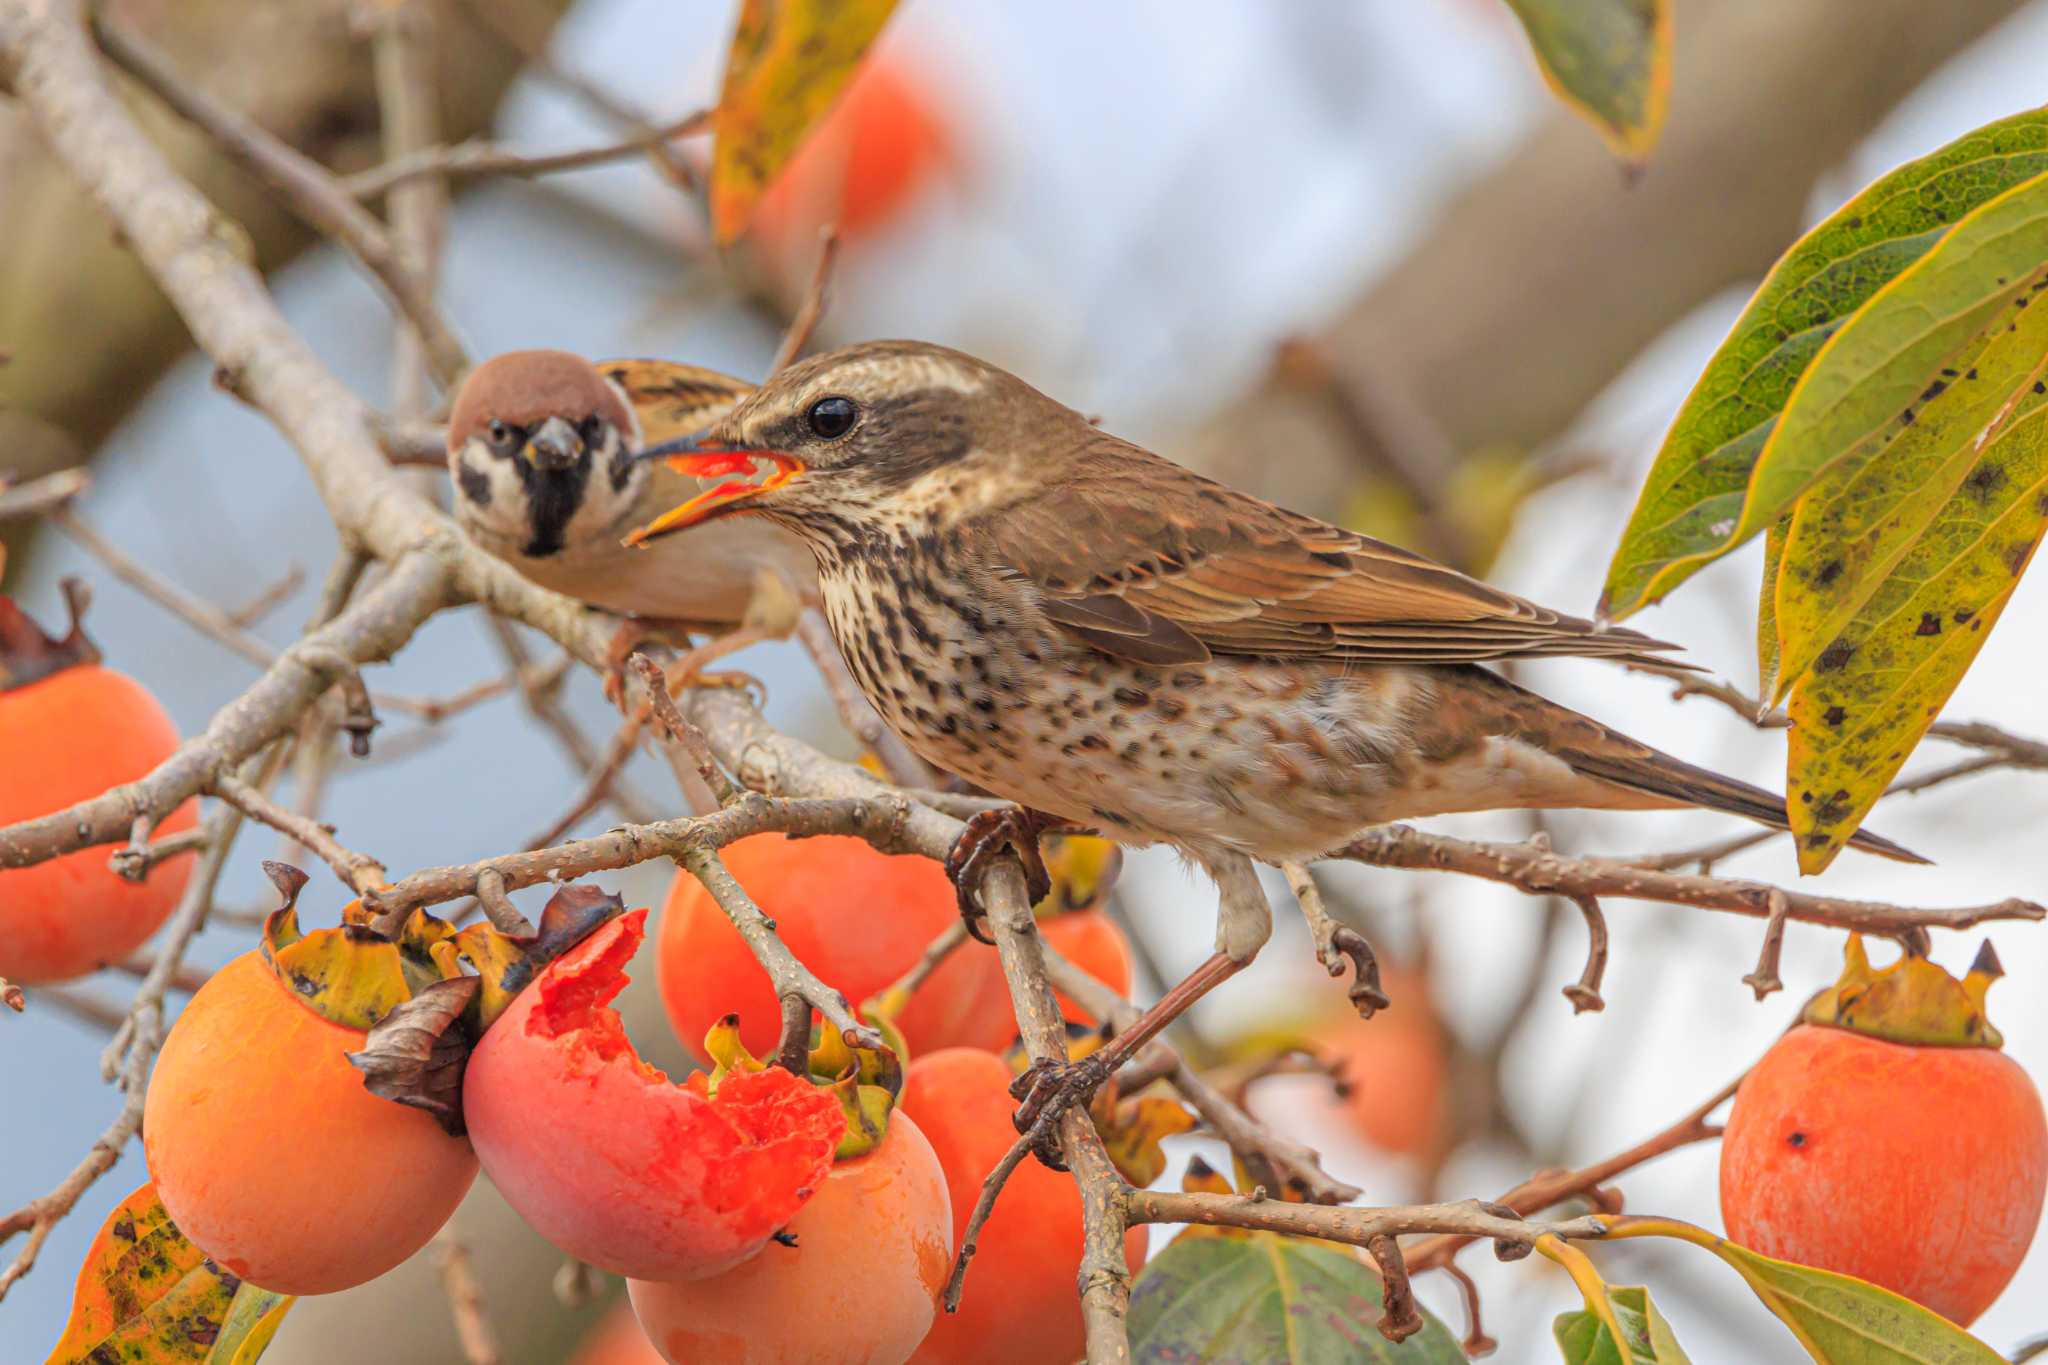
(1094, 632)
(541, 449)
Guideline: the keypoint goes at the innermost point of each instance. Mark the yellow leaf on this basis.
(1133, 1130)
(147, 1296)
(1877, 686)
(790, 59)
(1862, 517)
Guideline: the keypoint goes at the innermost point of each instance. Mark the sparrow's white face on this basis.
(540, 449)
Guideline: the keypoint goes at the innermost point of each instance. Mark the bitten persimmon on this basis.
(856, 917)
(1917, 1162)
(860, 1287)
(609, 1159)
(70, 732)
(271, 1156)
(1020, 1307)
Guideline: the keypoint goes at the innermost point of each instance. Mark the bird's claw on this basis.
(1047, 1089)
(988, 834)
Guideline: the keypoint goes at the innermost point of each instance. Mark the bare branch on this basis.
(38, 496)
(1534, 868)
(679, 730)
(358, 871)
(201, 615)
(478, 158)
(1469, 1219)
(306, 187)
(465, 1300)
(812, 309)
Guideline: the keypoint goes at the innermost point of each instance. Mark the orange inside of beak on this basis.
(709, 464)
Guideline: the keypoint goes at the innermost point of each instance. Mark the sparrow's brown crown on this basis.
(525, 388)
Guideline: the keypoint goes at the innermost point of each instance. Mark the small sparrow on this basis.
(541, 448)
(1098, 634)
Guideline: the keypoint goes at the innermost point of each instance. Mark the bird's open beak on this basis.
(690, 455)
(555, 446)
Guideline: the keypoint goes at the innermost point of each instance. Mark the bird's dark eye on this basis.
(500, 433)
(831, 418)
(591, 429)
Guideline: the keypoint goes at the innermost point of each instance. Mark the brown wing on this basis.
(674, 400)
(1148, 561)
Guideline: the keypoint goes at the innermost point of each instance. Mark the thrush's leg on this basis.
(989, 833)
(1049, 1086)
(688, 670)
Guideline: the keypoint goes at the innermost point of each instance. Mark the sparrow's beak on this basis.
(554, 447)
(700, 458)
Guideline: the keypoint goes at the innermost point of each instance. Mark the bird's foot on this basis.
(1049, 1088)
(632, 633)
(689, 670)
(988, 834)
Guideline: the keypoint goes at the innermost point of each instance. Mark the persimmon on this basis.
(1394, 1068)
(881, 144)
(966, 1000)
(71, 728)
(267, 1150)
(859, 1287)
(611, 1161)
(856, 917)
(1888, 1138)
(616, 1340)
(1020, 1307)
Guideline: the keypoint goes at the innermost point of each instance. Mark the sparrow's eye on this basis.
(831, 418)
(500, 433)
(591, 429)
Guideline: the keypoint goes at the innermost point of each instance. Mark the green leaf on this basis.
(1841, 1320)
(1887, 673)
(1585, 1340)
(789, 61)
(1694, 497)
(1609, 61)
(146, 1296)
(1838, 1319)
(1269, 1298)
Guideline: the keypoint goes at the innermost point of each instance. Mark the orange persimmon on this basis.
(861, 1284)
(1020, 1307)
(272, 1157)
(70, 732)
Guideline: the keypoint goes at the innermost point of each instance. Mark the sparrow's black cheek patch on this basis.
(475, 484)
(622, 468)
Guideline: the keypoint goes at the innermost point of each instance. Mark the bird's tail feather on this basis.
(1592, 750)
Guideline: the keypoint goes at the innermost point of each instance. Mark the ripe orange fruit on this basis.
(873, 1249)
(1917, 1162)
(616, 1340)
(1395, 1068)
(612, 1162)
(270, 1155)
(966, 1001)
(1020, 1305)
(856, 917)
(866, 161)
(68, 735)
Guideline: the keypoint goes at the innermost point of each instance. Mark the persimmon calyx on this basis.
(29, 654)
(1913, 1000)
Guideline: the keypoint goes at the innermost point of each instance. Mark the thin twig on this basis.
(270, 599)
(465, 1300)
(39, 496)
(1585, 992)
(498, 907)
(1550, 1188)
(209, 620)
(358, 871)
(812, 310)
(679, 730)
(1539, 870)
(479, 158)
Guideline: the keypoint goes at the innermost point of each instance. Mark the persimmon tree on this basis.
(1876, 414)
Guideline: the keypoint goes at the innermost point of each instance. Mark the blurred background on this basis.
(1352, 257)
